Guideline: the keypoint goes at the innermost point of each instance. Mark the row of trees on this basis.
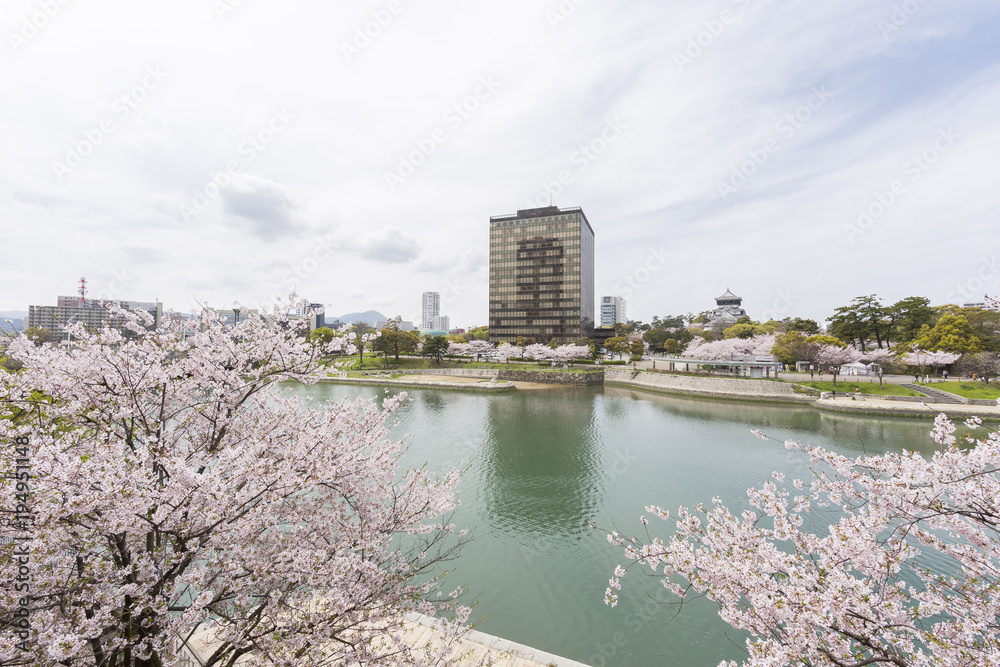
(914, 323)
(829, 353)
(864, 323)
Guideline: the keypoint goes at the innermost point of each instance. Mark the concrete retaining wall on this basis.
(484, 373)
(549, 377)
(707, 386)
(879, 397)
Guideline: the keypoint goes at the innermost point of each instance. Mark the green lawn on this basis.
(968, 389)
(865, 387)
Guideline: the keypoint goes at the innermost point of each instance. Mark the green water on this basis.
(544, 465)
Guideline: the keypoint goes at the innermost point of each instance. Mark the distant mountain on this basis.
(17, 316)
(368, 317)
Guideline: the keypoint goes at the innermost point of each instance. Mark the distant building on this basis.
(402, 324)
(236, 315)
(430, 307)
(93, 314)
(541, 275)
(728, 309)
(612, 311)
(995, 306)
(317, 311)
(442, 322)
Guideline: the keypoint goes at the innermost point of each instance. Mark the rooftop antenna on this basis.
(83, 290)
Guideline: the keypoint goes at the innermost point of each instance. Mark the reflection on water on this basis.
(542, 465)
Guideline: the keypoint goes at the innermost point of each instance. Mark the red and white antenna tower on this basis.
(83, 290)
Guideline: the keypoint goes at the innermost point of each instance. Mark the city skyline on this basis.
(801, 155)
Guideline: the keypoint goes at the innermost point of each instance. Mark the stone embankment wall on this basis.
(880, 397)
(386, 379)
(484, 373)
(543, 377)
(706, 386)
(549, 377)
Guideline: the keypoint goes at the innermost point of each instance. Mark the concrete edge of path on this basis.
(530, 656)
(876, 407)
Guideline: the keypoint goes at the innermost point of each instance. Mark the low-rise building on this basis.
(93, 314)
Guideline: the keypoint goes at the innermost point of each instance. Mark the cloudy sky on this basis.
(211, 151)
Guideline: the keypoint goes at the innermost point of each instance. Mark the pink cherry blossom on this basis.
(884, 560)
(176, 484)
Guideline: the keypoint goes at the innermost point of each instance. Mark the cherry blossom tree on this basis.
(730, 349)
(569, 353)
(176, 486)
(833, 357)
(459, 349)
(902, 568)
(539, 352)
(480, 347)
(506, 351)
(880, 358)
(921, 358)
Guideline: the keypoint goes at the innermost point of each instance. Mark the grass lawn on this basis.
(968, 389)
(865, 387)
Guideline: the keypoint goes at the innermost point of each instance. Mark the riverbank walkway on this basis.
(715, 386)
(473, 648)
(873, 405)
(479, 649)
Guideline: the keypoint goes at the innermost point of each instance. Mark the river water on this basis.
(544, 465)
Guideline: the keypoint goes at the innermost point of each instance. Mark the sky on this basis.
(212, 152)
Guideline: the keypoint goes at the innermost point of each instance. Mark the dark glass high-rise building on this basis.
(541, 275)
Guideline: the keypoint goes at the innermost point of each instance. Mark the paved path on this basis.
(476, 649)
(480, 649)
(931, 407)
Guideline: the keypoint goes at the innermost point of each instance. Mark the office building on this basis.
(541, 275)
(612, 311)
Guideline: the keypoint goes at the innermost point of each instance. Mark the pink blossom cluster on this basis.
(176, 482)
(561, 354)
(470, 349)
(879, 560)
(923, 358)
(729, 348)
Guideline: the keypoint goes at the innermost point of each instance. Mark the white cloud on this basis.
(316, 188)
